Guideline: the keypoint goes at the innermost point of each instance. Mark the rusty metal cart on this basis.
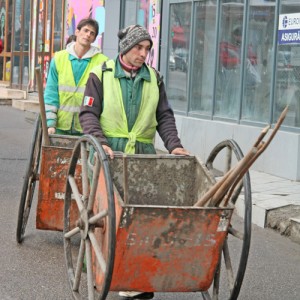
(138, 228)
(132, 218)
(47, 165)
(150, 223)
(159, 223)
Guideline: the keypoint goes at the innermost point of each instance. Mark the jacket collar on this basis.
(143, 72)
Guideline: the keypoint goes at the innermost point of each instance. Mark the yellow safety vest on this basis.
(113, 119)
(70, 95)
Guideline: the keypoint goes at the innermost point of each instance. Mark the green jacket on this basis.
(70, 94)
(129, 108)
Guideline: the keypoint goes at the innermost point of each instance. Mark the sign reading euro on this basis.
(289, 29)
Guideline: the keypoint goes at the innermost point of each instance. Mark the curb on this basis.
(286, 221)
(7, 102)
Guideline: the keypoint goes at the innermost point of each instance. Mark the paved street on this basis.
(36, 269)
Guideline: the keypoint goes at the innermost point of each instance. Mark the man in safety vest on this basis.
(68, 73)
(125, 102)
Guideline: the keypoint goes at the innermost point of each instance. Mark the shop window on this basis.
(57, 32)
(258, 85)
(21, 42)
(203, 53)
(179, 51)
(228, 80)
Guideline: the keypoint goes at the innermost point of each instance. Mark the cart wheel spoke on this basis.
(79, 266)
(206, 296)
(76, 193)
(30, 178)
(96, 222)
(98, 252)
(89, 267)
(236, 233)
(72, 232)
(237, 245)
(95, 169)
(84, 171)
(228, 265)
(98, 217)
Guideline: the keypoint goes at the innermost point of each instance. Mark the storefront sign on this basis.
(289, 29)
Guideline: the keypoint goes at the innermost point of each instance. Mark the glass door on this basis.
(49, 33)
(43, 44)
(20, 45)
(179, 31)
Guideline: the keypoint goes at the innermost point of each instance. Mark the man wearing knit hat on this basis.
(125, 103)
(131, 36)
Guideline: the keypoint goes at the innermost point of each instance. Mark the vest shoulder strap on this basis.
(104, 69)
(159, 77)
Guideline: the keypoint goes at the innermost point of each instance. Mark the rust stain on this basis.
(168, 249)
(50, 207)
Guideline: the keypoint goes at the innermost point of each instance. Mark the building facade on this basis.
(230, 67)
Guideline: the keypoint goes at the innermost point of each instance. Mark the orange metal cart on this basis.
(132, 220)
(143, 222)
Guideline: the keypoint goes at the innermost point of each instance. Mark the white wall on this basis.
(281, 158)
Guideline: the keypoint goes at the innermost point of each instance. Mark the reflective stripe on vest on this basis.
(71, 89)
(113, 119)
(70, 95)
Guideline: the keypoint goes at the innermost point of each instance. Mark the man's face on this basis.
(85, 36)
(237, 39)
(138, 54)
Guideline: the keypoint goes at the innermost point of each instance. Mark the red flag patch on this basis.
(88, 101)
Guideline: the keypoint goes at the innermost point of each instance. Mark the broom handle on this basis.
(42, 106)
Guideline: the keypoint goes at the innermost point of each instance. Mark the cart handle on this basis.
(46, 140)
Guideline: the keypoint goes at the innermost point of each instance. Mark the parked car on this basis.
(283, 59)
(172, 61)
(285, 71)
(181, 59)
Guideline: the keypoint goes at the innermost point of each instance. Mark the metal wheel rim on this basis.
(237, 281)
(87, 235)
(30, 178)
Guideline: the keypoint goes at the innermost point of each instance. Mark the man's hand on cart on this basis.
(180, 151)
(51, 130)
(108, 151)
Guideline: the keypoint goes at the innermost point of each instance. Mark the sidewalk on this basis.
(276, 204)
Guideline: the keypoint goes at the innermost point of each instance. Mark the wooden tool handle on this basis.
(46, 140)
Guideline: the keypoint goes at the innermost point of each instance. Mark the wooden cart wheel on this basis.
(237, 243)
(30, 178)
(93, 238)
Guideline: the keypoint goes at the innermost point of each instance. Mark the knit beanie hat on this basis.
(132, 35)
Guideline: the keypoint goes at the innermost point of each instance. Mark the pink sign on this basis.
(149, 17)
(78, 10)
